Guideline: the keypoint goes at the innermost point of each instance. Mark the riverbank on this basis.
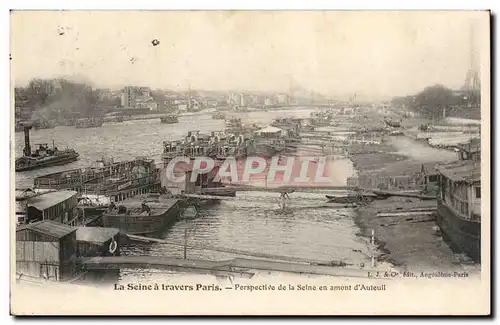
(406, 240)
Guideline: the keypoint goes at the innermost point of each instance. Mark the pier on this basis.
(237, 266)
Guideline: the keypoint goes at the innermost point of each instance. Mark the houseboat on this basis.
(169, 119)
(321, 118)
(459, 202)
(143, 215)
(114, 180)
(290, 126)
(268, 142)
(43, 156)
(217, 145)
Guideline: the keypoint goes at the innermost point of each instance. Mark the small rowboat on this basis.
(352, 198)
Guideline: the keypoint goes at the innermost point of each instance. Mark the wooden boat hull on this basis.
(349, 199)
(222, 192)
(135, 224)
(48, 163)
(463, 235)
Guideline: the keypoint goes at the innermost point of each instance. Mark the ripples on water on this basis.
(252, 224)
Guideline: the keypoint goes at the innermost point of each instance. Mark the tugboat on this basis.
(43, 156)
(169, 119)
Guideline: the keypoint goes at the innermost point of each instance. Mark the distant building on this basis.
(127, 97)
(138, 97)
(243, 100)
(209, 102)
(145, 92)
(282, 99)
(235, 99)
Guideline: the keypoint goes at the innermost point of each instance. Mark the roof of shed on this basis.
(48, 227)
(45, 201)
(95, 235)
(461, 171)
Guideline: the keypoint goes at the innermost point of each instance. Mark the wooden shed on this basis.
(97, 241)
(46, 249)
(58, 205)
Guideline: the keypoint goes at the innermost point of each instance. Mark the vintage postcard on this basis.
(250, 162)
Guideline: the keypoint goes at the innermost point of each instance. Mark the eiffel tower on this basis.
(472, 82)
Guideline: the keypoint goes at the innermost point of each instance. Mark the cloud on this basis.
(374, 53)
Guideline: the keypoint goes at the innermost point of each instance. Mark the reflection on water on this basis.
(253, 223)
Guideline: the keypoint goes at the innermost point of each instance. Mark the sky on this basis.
(335, 53)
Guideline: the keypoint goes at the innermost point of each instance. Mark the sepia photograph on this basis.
(250, 162)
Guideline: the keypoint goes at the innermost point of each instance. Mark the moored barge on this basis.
(114, 180)
(169, 119)
(151, 215)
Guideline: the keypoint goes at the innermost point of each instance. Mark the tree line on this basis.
(433, 100)
(56, 99)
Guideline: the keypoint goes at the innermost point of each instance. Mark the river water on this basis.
(253, 224)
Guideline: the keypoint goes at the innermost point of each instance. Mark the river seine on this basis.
(253, 224)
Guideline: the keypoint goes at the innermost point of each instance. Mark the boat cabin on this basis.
(460, 188)
(43, 150)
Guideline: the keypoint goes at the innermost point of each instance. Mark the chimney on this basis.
(27, 146)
